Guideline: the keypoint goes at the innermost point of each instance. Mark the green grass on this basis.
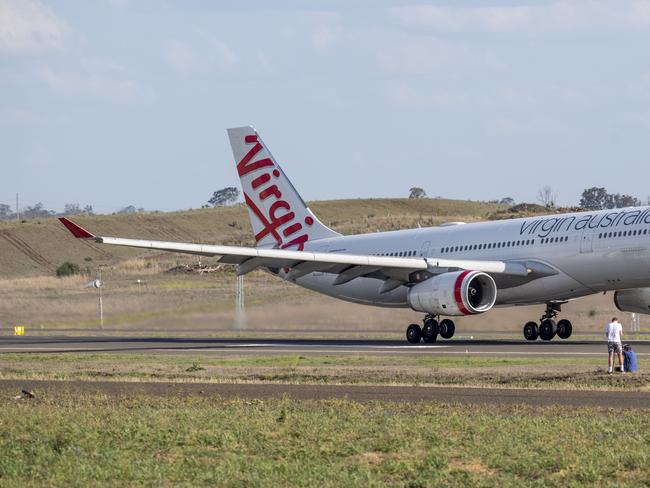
(547, 373)
(79, 441)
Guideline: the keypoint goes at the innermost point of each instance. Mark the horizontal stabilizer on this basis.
(76, 230)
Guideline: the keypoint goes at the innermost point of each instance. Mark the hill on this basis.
(38, 247)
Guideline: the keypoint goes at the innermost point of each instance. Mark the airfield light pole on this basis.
(17, 209)
(240, 313)
(98, 284)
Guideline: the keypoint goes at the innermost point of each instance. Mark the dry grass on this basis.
(37, 247)
(138, 266)
(170, 303)
(41, 283)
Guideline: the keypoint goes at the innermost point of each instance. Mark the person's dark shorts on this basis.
(614, 347)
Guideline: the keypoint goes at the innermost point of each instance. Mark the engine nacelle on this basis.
(457, 293)
(636, 300)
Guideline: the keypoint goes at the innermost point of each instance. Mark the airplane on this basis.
(454, 269)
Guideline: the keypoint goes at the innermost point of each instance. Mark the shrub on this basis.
(67, 269)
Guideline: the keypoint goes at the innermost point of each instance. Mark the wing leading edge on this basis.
(394, 271)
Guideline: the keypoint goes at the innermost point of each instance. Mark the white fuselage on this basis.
(588, 252)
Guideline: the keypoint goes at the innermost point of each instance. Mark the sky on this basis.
(126, 102)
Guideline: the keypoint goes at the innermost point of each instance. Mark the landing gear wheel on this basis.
(564, 329)
(447, 329)
(547, 329)
(430, 330)
(414, 333)
(531, 331)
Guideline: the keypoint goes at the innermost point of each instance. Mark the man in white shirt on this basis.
(613, 332)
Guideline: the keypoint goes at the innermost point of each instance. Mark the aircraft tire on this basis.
(414, 334)
(547, 329)
(430, 331)
(565, 328)
(447, 328)
(531, 331)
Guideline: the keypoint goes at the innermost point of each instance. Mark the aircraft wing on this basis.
(394, 271)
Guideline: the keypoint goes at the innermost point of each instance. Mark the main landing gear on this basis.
(430, 330)
(548, 328)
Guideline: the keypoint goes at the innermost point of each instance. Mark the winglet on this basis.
(77, 231)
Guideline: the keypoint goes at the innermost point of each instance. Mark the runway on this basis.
(228, 347)
(251, 346)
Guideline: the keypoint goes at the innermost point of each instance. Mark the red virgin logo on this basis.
(280, 222)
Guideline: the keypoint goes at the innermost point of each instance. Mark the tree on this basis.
(36, 211)
(71, 209)
(597, 199)
(88, 210)
(225, 196)
(127, 210)
(67, 269)
(417, 192)
(594, 198)
(5, 211)
(547, 197)
(507, 201)
(620, 201)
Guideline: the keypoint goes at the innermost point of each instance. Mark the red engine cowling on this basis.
(636, 300)
(457, 293)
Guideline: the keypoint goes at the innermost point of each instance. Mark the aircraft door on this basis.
(424, 250)
(587, 242)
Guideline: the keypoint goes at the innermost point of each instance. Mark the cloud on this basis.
(404, 95)
(212, 53)
(559, 16)
(181, 57)
(28, 26)
(223, 56)
(96, 79)
(324, 36)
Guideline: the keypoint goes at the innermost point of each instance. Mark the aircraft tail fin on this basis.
(279, 216)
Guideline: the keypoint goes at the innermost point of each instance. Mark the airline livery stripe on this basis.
(458, 295)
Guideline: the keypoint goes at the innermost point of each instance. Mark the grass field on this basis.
(543, 373)
(69, 440)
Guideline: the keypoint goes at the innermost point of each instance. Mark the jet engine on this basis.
(636, 300)
(455, 293)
